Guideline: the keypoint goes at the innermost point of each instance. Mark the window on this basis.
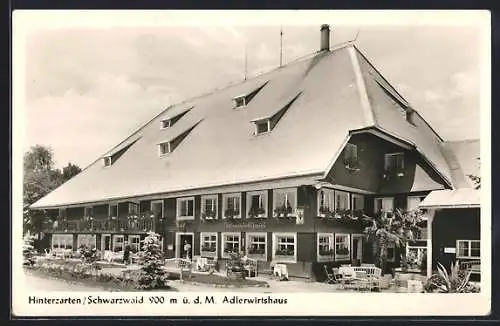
(88, 211)
(394, 161)
(413, 202)
(230, 243)
(257, 245)
(409, 116)
(62, 213)
(342, 247)
(209, 207)
(262, 127)
(208, 244)
(326, 202)
(113, 210)
(62, 242)
(134, 242)
(285, 201)
(157, 208)
(107, 161)
(165, 124)
(342, 200)
(468, 249)
(164, 148)
(284, 246)
(86, 240)
(185, 208)
(133, 208)
(384, 204)
(118, 241)
(231, 205)
(257, 204)
(325, 247)
(351, 155)
(239, 101)
(358, 202)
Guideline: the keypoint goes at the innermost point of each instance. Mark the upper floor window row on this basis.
(284, 204)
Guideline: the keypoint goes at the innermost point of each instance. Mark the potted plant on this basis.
(235, 266)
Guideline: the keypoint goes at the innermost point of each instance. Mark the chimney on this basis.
(325, 37)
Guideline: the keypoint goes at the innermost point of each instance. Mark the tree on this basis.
(392, 230)
(152, 275)
(69, 171)
(40, 178)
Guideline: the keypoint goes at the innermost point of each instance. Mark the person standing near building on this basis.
(187, 250)
(126, 254)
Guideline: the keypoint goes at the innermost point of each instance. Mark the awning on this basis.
(456, 198)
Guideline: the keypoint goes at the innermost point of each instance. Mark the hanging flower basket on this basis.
(256, 212)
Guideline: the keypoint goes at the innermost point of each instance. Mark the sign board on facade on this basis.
(450, 250)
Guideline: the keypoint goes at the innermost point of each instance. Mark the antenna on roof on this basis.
(246, 62)
(281, 46)
(356, 37)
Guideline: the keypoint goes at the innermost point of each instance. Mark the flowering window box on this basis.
(231, 213)
(286, 253)
(209, 215)
(257, 212)
(283, 211)
(326, 252)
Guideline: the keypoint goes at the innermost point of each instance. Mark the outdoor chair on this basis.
(330, 277)
(362, 281)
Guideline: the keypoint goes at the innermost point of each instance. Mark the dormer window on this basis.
(107, 161)
(171, 120)
(165, 124)
(164, 148)
(265, 124)
(409, 116)
(239, 101)
(243, 100)
(262, 127)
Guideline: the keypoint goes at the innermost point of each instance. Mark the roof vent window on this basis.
(164, 148)
(169, 122)
(243, 100)
(107, 161)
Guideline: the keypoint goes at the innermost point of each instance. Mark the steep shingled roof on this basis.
(222, 150)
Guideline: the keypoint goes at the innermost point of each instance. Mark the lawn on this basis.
(222, 281)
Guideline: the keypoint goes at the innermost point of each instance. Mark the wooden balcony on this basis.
(107, 225)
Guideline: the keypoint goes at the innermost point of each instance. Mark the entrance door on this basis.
(106, 242)
(357, 247)
(185, 245)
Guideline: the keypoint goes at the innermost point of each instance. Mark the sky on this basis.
(87, 88)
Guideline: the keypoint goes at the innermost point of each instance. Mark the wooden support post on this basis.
(429, 241)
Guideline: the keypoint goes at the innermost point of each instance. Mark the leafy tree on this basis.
(392, 230)
(152, 275)
(40, 178)
(69, 171)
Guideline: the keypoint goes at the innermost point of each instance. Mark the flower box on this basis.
(283, 211)
(209, 215)
(327, 252)
(284, 252)
(256, 212)
(231, 213)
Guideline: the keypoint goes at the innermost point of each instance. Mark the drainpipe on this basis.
(429, 241)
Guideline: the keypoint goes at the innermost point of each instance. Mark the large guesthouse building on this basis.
(279, 166)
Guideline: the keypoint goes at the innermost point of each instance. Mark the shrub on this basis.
(456, 282)
(152, 276)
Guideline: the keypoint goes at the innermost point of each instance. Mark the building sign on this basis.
(245, 226)
(450, 250)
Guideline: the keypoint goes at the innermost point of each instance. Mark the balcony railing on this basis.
(139, 224)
